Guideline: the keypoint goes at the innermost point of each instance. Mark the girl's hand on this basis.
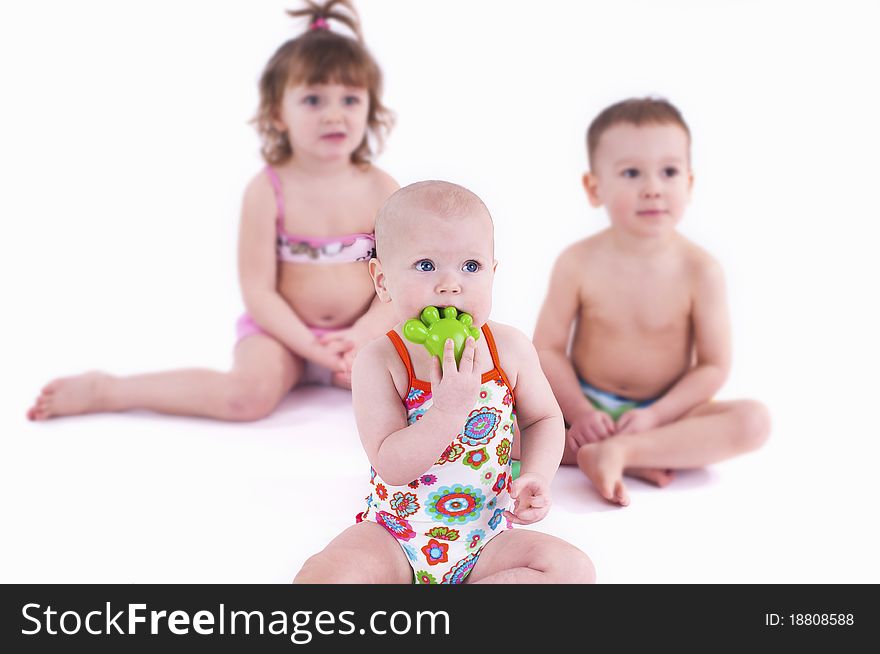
(330, 356)
(351, 340)
(637, 420)
(531, 494)
(591, 426)
(455, 389)
(354, 337)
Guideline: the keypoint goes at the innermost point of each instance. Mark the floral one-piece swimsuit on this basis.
(443, 519)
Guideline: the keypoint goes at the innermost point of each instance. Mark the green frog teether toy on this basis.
(432, 331)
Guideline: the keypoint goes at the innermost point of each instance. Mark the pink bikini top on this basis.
(315, 249)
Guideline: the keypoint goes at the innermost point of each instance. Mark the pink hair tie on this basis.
(319, 24)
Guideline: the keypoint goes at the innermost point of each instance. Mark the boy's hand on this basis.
(637, 420)
(531, 494)
(455, 390)
(591, 426)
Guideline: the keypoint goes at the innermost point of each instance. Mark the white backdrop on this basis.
(124, 149)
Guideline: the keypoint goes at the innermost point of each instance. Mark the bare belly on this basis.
(637, 368)
(331, 295)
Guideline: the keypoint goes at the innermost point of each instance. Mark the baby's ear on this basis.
(591, 186)
(379, 280)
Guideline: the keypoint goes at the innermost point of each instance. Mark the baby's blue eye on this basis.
(424, 265)
(632, 173)
(352, 100)
(670, 171)
(311, 100)
(471, 266)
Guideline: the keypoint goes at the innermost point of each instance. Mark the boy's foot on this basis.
(69, 396)
(659, 478)
(603, 464)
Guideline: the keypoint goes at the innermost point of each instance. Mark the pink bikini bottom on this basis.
(245, 326)
(314, 374)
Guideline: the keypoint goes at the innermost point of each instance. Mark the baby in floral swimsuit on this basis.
(444, 517)
(441, 503)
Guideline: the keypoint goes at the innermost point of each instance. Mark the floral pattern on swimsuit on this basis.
(444, 518)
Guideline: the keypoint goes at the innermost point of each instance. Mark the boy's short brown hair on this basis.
(634, 111)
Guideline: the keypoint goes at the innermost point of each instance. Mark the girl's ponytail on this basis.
(321, 13)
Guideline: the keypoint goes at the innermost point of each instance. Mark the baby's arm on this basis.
(552, 335)
(399, 452)
(257, 269)
(541, 428)
(711, 325)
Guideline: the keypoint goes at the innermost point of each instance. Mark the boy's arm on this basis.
(541, 428)
(399, 452)
(711, 324)
(552, 335)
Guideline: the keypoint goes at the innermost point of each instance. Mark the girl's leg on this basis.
(263, 372)
(707, 434)
(341, 380)
(364, 553)
(522, 556)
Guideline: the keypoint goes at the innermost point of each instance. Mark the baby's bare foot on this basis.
(603, 464)
(659, 478)
(70, 396)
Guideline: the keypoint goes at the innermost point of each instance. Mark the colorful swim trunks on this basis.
(614, 405)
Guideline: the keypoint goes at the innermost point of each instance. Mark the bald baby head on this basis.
(413, 207)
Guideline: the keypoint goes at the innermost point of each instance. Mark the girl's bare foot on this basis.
(603, 464)
(70, 396)
(659, 478)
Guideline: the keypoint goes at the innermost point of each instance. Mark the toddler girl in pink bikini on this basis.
(305, 241)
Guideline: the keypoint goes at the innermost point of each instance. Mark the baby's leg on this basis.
(707, 434)
(523, 556)
(263, 372)
(364, 553)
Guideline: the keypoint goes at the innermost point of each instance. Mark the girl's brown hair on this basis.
(321, 56)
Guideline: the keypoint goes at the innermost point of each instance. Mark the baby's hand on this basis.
(455, 390)
(591, 426)
(637, 420)
(531, 493)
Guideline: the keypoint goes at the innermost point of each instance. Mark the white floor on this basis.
(120, 216)
(142, 498)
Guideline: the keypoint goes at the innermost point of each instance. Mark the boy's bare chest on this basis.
(646, 304)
